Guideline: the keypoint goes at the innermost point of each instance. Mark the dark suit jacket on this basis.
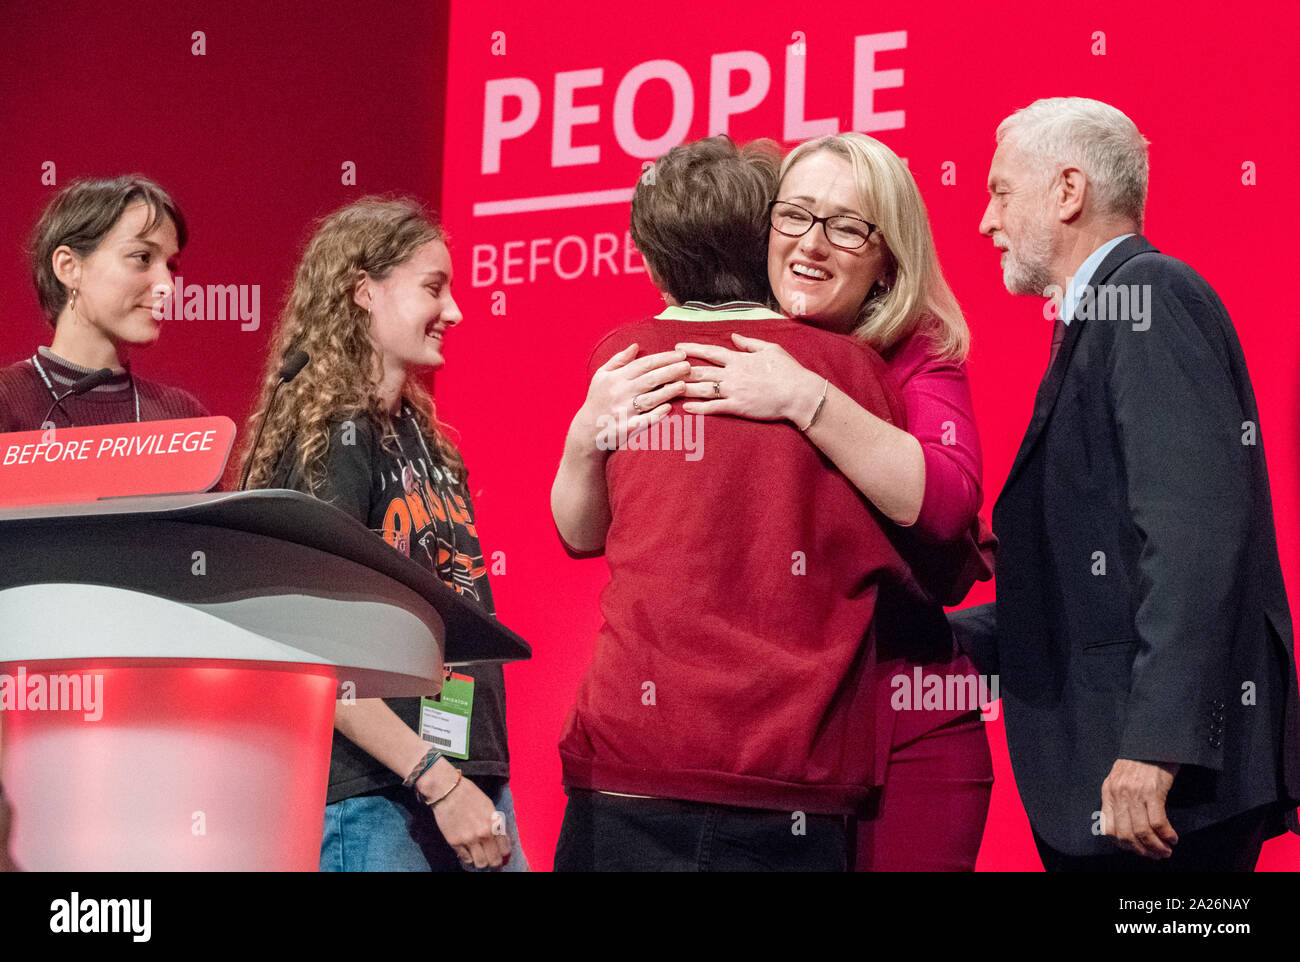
(1141, 611)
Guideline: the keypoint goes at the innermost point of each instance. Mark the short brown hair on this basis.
(699, 218)
(80, 216)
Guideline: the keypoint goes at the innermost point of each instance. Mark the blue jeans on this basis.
(392, 831)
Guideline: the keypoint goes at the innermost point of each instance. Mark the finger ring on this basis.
(717, 389)
(636, 407)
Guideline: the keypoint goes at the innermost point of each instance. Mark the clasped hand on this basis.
(760, 381)
(466, 817)
(637, 390)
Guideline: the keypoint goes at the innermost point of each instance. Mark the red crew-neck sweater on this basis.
(24, 397)
(731, 665)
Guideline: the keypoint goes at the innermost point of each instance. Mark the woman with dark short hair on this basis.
(103, 254)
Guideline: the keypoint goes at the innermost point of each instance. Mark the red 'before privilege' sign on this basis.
(64, 465)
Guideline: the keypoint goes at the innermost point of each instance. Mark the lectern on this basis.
(169, 667)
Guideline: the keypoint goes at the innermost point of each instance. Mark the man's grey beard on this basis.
(1029, 265)
(1020, 278)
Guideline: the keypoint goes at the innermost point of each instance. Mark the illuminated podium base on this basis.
(212, 634)
(211, 767)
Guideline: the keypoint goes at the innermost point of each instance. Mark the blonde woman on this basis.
(849, 250)
(371, 306)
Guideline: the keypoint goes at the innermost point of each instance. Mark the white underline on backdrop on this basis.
(521, 205)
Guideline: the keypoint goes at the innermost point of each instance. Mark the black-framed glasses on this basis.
(842, 230)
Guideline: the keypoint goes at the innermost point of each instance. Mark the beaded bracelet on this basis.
(427, 762)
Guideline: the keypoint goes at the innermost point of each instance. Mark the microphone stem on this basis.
(252, 452)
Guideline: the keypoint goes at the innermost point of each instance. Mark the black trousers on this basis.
(1232, 845)
(611, 833)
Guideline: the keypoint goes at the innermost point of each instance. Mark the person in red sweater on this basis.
(103, 255)
(933, 763)
(725, 720)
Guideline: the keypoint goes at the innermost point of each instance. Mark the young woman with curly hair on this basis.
(371, 304)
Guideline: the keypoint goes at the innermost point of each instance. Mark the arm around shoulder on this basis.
(580, 499)
(941, 416)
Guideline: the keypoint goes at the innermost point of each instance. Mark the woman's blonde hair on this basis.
(374, 235)
(919, 297)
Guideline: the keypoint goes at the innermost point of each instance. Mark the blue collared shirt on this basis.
(1083, 276)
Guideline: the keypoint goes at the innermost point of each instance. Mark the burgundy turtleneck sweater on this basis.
(24, 397)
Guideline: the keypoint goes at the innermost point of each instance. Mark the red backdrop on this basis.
(252, 136)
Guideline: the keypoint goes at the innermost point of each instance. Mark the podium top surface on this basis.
(291, 516)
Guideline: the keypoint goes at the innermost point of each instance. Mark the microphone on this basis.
(295, 360)
(88, 383)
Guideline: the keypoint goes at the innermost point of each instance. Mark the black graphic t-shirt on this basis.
(403, 494)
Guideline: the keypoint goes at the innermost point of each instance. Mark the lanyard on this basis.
(36, 363)
(409, 418)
